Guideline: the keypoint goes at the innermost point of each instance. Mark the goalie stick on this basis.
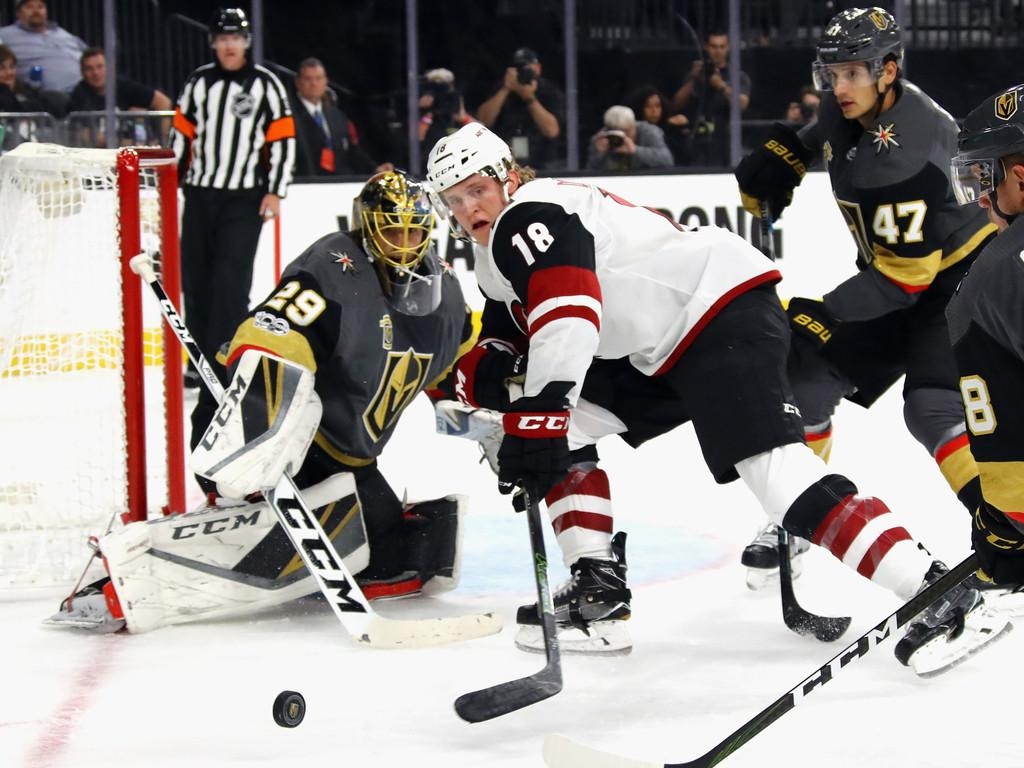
(315, 548)
(562, 752)
(500, 699)
(801, 621)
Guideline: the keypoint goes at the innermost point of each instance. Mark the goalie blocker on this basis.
(231, 560)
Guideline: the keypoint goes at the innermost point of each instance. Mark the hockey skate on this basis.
(761, 557)
(950, 630)
(1007, 600)
(93, 607)
(591, 608)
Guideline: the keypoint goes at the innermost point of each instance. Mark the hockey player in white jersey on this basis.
(632, 325)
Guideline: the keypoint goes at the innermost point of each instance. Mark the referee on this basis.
(234, 137)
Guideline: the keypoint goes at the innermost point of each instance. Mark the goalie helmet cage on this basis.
(91, 411)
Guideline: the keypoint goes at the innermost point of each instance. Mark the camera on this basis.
(440, 84)
(525, 74)
(615, 138)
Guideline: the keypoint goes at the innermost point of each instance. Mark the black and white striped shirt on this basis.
(234, 130)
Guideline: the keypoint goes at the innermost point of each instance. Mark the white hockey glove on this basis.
(263, 427)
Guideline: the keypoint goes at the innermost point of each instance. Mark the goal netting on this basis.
(91, 426)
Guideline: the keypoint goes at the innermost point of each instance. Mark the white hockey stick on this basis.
(315, 548)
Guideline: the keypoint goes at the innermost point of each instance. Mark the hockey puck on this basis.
(289, 709)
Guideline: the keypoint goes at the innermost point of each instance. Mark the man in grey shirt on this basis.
(39, 42)
(623, 144)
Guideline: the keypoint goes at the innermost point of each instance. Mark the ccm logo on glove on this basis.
(787, 155)
(536, 424)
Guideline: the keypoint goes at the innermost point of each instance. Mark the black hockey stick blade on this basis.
(562, 752)
(803, 622)
(503, 698)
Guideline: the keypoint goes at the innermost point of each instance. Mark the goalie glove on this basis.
(999, 545)
(263, 427)
(772, 171)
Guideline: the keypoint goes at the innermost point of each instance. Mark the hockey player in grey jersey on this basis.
(359, 324)
(624, 317)
(986, 325)
(886, 146)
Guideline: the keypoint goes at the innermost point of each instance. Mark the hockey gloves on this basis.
(483, 374)
(999, 546)
(535, 451)
(771, 172)
(809, 319)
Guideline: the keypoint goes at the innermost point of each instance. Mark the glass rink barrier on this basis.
(138, 128)
(18, 127)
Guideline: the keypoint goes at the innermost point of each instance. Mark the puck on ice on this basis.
(289, 709)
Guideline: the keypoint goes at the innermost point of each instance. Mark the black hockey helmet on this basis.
(228, 21)
(991, 131)
(869, 35)
(390, 209)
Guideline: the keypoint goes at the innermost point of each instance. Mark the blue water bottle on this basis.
(35, 76)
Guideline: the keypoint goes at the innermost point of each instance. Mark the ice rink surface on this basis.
(709, 654)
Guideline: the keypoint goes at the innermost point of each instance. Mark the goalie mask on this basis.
(862, 35)
(395, 221)
(991, 132)
(470, 150)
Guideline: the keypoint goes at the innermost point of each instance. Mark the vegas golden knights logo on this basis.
(1006, 105)
(879, 19)
(405, 374)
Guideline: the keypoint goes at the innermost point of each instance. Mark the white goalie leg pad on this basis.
(480, 424)
(263, 427)
(182, 568)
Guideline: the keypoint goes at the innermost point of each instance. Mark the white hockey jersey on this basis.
(587, 274)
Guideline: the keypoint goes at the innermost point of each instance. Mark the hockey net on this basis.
(91, 425)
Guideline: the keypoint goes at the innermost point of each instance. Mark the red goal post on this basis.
(91, 381)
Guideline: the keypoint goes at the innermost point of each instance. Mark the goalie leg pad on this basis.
(206, 564)
(433, 542)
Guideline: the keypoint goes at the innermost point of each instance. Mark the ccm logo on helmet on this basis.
(536, 424)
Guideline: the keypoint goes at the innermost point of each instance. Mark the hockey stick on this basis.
(488, 703)
(561, 752)
(824, 628)
(306, 534)
(803, 622)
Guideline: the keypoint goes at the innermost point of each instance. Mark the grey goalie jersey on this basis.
(330, 314)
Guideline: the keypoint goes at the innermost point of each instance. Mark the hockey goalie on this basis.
(317, 376)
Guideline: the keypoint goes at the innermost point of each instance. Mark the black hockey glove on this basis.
(772, 171)
(534, 453)
(482, 376)
(809, 319)
(999, 546)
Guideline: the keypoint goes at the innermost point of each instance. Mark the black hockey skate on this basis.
(950, 630)
(590, 608)
(761, 557)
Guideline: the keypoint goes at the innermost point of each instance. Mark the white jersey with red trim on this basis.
(587, 274)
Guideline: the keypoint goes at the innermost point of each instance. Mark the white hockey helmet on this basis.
(470, 150)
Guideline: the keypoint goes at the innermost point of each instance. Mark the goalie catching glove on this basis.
(535, 451)
(262, 428)
(772, 171)
(999, 545)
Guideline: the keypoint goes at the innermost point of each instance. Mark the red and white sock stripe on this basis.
(580, 509)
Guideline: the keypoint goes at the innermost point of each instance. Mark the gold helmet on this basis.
(391, 210)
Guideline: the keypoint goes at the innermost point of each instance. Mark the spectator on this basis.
(706, 96)
(527, 111)
(442, 109)
(234, 136)
(328, 142)
(651, 106)
(15, 94)
(89, 95)
(40, 42)
(623, 144)
(805, 109)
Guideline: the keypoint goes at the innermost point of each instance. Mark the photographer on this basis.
(527, 112)
(706, 97)
(442, 111)
(623, 144)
